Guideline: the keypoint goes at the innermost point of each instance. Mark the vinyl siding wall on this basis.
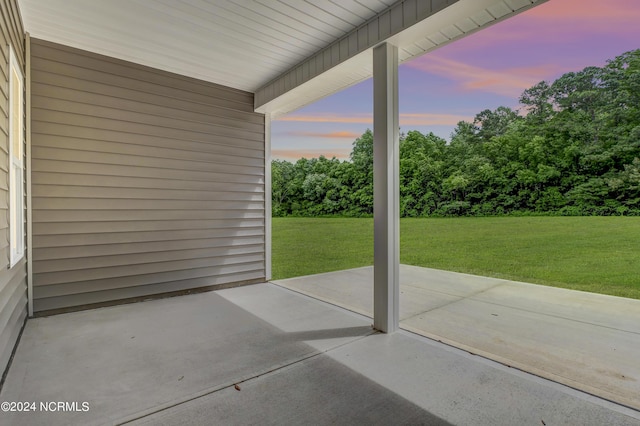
(143, 182)
(13, 282)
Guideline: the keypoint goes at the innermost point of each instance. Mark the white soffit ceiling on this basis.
(237, 43)
(289, 52)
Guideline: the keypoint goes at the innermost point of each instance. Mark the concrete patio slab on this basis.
(130, 359)
(294, 359)
(584, 340)
(313, 392)
(469, 390)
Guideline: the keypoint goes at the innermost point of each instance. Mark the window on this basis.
(16, 161)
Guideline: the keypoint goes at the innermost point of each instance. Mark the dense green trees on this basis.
(574, 149)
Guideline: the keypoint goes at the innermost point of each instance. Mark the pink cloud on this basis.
(556, 23)
(568, 26)
(587, 10)
(295, 154)
(573, 19)
(406, 119)
(560, 20)
(431, 119)
(330, 118)
(507, 82)
(328, 135)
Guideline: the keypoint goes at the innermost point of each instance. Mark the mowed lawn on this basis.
(596, 254)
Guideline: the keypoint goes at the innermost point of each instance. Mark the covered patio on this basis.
(134, 278)
(263, 354)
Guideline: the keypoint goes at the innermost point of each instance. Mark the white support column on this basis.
(386, 189)
(267, 196)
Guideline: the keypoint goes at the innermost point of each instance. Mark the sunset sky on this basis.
(485, 70)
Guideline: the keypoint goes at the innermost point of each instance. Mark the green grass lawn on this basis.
(596, 254)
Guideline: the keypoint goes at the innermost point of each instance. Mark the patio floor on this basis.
(584, 340)
(294, 359)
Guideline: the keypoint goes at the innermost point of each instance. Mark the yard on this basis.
(595, 254)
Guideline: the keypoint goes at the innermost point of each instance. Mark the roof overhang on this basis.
(415, 27)
(288, 52)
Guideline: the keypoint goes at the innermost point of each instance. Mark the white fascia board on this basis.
(350, 72)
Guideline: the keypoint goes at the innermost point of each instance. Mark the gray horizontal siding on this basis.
(78, 216)
(13, 306)
(93, 251)
(120, 74)
(134, 237)
(134, 171)
(143, 182)
(138, 290)
(13, 282)
(63, 263)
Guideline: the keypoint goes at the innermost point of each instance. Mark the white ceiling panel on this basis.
(257, 40)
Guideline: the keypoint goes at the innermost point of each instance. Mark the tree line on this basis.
(573, 149)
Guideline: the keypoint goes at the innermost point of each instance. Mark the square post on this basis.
(267, 197)
(386, 189)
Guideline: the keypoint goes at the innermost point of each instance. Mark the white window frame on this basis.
(16, 160)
